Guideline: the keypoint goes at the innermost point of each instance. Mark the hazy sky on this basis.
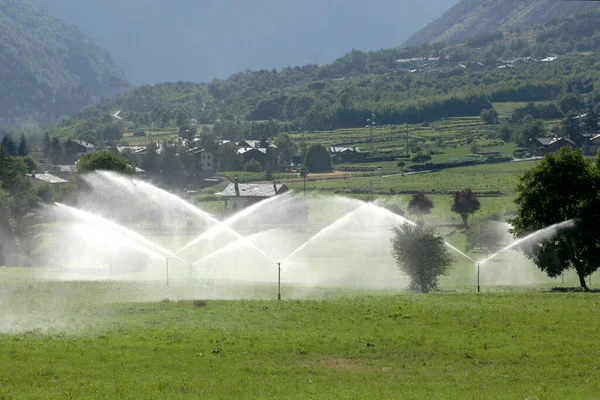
(198, 40)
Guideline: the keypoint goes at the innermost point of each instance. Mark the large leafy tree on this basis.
(318, 159)
(421, 254)
(465, 203)
(564, 186)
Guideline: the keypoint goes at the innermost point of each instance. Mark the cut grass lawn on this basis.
(521, 345)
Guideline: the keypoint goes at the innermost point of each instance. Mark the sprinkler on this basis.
(478, 287)
(279, 281)
(167, 265)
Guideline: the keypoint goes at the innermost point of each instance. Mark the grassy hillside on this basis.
(48, 68)
(470, 18)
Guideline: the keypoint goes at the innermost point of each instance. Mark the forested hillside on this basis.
(48, 69)
(470, 18)
(413, 84)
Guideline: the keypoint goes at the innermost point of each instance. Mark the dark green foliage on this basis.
(103, 161)
(421, 158)
(420, 204)
(228, 158)
(17, 199)
(570, 102)
(544, 111)
(562, 187)
(489, 117)
(49, 68)
(150, 162)
(8, 145)
(253, 166)
(22, 151)
(285, 147)
(572, 128)
(465, 203)
(529, 129)
(318, 159)
(421, 253)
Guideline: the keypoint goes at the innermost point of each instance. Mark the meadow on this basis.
(105, 340)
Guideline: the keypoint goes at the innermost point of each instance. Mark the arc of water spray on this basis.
(151, 189)
(541, 232)
(229, 246)
(325, 230)
(101, 221)
(406, 221)
(233, 219)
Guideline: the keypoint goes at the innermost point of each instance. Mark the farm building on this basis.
(47, 178)
(242, 195)
(541, 146)
(79, 147)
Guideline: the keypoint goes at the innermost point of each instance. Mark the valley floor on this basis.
(100, 342)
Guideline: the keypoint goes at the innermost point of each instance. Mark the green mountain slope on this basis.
(413, 84)
(475, 17)
(48, 69)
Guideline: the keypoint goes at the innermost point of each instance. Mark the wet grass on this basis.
(517, 344)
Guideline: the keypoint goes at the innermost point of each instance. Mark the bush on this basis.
(253, 166)
(318, 159)
(200, 303)
(421, 158)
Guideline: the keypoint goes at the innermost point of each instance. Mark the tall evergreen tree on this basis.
(23, 150)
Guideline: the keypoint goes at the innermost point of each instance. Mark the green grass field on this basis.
(96, 340)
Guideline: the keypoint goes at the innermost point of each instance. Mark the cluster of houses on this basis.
(437, 64)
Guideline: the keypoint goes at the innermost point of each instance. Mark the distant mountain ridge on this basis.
(470, 18)
(158, 41)
(48, 68)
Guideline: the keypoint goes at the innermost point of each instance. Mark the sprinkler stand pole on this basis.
(190, 272)
(478, 287)
(167, 271)
(278, 281)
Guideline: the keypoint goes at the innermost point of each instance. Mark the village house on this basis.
(208, 160)
(47, 178)
(79, 147)
(249, 153)
(242, 195)
(341, 154)
(591, 146)
(541, 146)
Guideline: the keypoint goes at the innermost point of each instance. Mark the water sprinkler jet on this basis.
(478, 286)
(279, 281)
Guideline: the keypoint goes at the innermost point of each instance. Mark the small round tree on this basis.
(421, 253)
(104, 161)
(465, 203)
(420, 204)
(253, 166)
(318, 159)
